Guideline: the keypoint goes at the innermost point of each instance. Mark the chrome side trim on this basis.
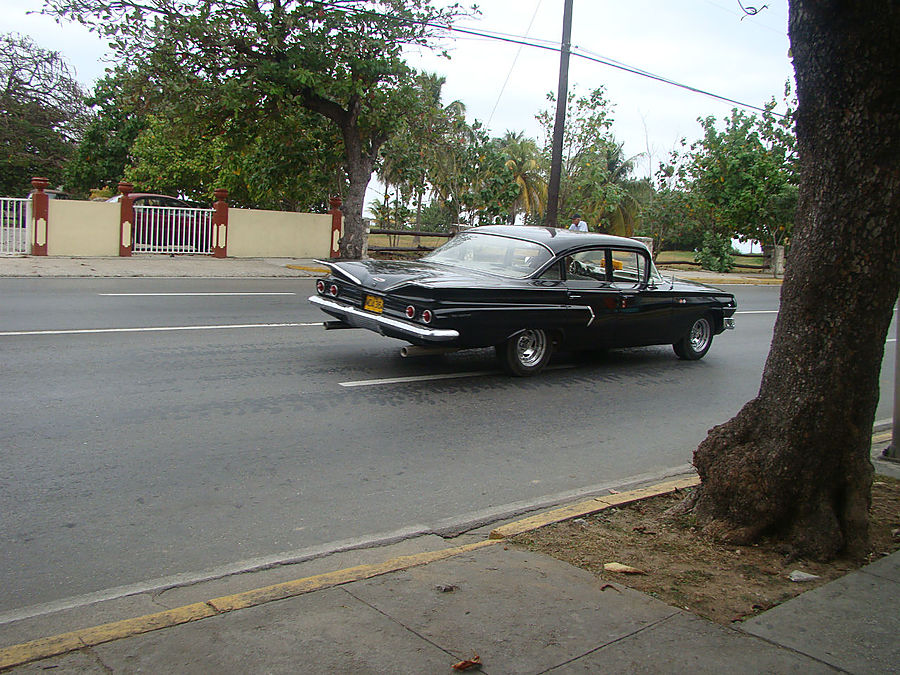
(363, 317)
(591, 320)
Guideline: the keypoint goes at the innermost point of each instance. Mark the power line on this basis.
(547, 45)
(512, 66)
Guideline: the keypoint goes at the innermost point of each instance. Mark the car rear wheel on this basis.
(525, 353)
(696, 342)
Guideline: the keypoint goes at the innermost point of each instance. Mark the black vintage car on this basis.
(526, 291)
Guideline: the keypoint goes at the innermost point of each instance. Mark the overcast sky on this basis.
(705, 44)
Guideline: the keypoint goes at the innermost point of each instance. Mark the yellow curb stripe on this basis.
(319, 270)
(43, 648)
(39, 649)
(882, 436)
(289, 589)
(591, 506)
(56, 645)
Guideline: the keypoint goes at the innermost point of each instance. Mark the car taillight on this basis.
(320, 286)
(427, 316)
(333, 290)
(410, 312)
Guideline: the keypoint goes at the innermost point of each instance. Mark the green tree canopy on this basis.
(595, 171)
(238, 61)
(103, 152)
(42, 113)
(745, 172)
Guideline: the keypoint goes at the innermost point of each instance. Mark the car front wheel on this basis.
(525, 353)
(696, 342)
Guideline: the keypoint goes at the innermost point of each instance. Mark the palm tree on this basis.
(523, 161)
(622, 215)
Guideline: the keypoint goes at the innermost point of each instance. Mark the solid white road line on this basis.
(758, 311)
(425, 378)
(154, 295)
(154, 329)
(416, 378)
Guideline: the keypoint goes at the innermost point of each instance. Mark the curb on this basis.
(592, 506)
(724, 281)
(57, 645)
(314, 270)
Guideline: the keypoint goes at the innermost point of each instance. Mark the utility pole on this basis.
(892, 452)
(562, 96)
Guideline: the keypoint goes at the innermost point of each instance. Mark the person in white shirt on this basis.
(578, 224)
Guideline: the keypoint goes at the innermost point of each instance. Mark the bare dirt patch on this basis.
(682, 568)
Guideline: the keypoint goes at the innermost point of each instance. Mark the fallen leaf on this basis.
(624, 569)
(468, 664)
(605, 586)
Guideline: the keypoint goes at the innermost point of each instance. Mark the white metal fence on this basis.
(15, 225)
(165, 229)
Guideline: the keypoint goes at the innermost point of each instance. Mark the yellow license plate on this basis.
(374, 304)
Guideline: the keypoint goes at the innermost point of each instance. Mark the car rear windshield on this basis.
(505, 256)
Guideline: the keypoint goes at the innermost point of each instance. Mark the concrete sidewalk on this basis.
(158, 266)
(520, 612)
(422, 612)
(209, 267)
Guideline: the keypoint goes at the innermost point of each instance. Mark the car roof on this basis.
(556, 239)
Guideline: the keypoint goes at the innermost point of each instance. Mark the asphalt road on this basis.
(155, 427)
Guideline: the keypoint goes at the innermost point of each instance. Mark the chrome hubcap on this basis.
(530, 347)
(700, 334)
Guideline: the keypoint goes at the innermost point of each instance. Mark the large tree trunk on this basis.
(794, 463)
(359, 156)
(359, 172)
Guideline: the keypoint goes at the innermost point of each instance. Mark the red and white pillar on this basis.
(40, 208)
(337, 226)
(220, 224)
(126, 220)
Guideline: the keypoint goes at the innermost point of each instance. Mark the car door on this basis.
(589, 284)
(615, 283)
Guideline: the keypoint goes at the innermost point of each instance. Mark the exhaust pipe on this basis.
(415, 350)
(336, 325)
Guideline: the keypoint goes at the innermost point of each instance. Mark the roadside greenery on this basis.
(716, 254)
(42, 114)
(287, 104)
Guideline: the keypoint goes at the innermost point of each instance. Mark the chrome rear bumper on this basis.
(379, 323)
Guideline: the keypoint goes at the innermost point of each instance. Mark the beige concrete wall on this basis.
(76, 228)
(278, 234)
(85, 229)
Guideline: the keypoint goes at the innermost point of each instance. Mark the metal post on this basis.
(892, 452)
(562, 97)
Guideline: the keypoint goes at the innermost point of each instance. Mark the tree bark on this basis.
(359, 155)
(794, 463)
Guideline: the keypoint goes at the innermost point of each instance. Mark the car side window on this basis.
(629, 269)
(552, 273)
(588, 266)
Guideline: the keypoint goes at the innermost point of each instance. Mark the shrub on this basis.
(716, 254)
